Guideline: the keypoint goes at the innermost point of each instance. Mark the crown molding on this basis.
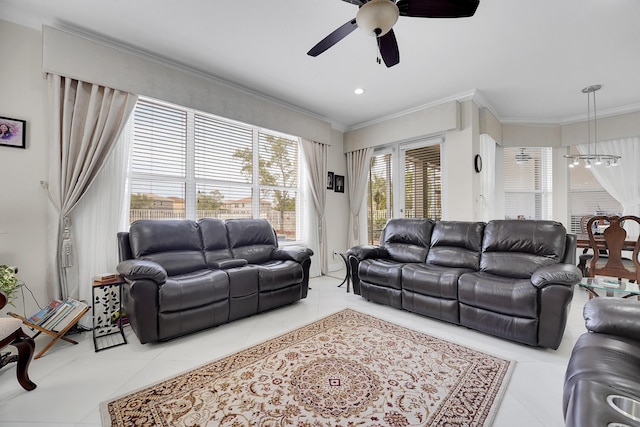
(461, 97)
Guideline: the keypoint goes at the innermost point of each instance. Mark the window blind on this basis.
(223, 150)
(159, 140)
(423, 183)
(528, 183)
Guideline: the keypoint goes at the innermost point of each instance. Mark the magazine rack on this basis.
(56, 335)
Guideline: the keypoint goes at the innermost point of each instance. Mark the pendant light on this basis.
(590, 158)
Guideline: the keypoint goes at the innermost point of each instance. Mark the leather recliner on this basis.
(509, 278)
(604, 362)
(183, 276)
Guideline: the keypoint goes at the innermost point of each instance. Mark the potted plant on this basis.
(9, 282)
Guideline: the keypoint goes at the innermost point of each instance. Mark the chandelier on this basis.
(590, 158)
(522, 158)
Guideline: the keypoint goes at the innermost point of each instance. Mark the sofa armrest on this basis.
(297, 254)
(362, 252)
(135, 269)
(225, 264)
(613, 316)
(557, 274)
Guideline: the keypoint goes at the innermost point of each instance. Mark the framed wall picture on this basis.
(12, 132)
(330, 181)
(339, 183)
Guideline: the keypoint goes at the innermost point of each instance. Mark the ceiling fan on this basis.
(377, 18)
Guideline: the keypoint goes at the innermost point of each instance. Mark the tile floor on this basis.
(73, 380)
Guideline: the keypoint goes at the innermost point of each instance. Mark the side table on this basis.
(108, 329)
(347, 276)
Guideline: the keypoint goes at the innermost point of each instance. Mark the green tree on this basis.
(141, 201)
(276, 170)
(211, 200)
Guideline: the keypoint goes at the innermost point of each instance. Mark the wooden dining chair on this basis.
(585, 257)
(613, 241)
(11, 333)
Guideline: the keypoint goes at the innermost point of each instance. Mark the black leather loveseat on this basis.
(605, 363)
(511, 279)
(183, 276)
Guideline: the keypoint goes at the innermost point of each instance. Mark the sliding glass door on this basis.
(405, 181)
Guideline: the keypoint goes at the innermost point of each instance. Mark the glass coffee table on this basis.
(611, 287)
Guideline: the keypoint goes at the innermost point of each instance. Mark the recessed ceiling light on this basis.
(359, 91)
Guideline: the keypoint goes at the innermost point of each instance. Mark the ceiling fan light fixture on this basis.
(377, 17)
(358, 91)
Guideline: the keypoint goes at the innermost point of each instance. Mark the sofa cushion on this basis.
(432, 280)
(517, 248)
(251, 239)
(276, 274)
(456, 244)
(382, 272)
(174, 244)
(506, 295)
(214, 240)
(193, 289)
(407, 240)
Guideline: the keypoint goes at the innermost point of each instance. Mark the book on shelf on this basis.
(58, 314)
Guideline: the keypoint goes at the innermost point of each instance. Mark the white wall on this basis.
(337, 212)
(23, 203)
(461, 184)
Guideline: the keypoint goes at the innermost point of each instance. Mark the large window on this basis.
(528, 182)
(189, 164)
(586, 195)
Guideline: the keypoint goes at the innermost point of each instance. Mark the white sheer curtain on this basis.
(488, 177)
(622, 181)
(100, 214)
(315, 157)
(85, 123)
(357, 172)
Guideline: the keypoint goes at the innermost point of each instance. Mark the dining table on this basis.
(583, 242)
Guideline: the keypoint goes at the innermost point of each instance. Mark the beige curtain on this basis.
(85, 122)
(357, 173)
(315, 157)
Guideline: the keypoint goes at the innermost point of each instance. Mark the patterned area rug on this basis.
(348, 369)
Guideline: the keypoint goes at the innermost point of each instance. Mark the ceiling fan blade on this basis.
(356, 2)
(333, 38)
(438, 8)
(388, 47)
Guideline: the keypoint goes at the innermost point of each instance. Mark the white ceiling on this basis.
(526, 60)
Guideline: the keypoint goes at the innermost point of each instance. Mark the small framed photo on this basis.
(12, 132)
(330, 181)
(339, 183)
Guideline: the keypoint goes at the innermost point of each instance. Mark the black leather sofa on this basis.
(512, 279)
(605, 362)
(183, 276)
